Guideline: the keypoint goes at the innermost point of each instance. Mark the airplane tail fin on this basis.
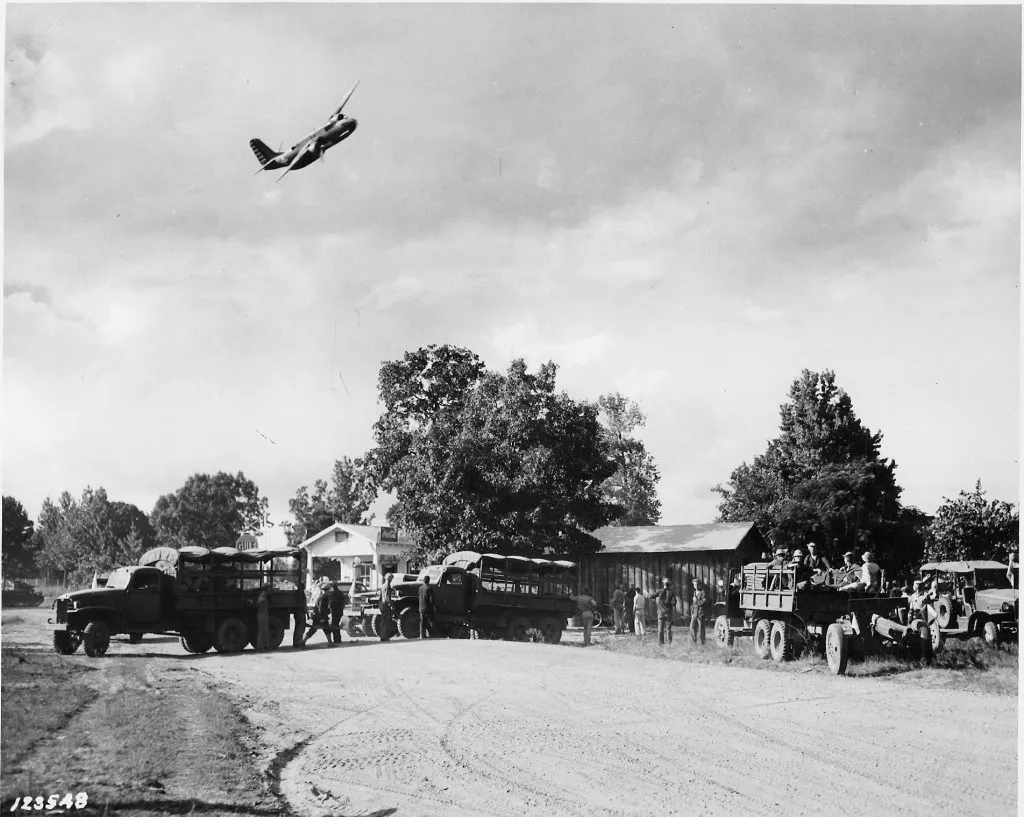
(263, 153)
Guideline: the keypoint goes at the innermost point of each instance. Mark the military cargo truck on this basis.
(488, 595)
(207, 597)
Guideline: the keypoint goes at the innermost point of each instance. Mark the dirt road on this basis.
(495, 728)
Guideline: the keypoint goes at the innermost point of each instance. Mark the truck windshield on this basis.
(991, 580)
(434, 572)
(119, 579)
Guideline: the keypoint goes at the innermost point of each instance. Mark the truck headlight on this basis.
(1007, 607)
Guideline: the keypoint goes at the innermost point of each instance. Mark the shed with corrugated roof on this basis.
(642, 556)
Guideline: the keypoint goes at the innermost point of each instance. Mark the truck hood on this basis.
(92, 598)
(994, 598)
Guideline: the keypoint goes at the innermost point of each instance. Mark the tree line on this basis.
(503, 460)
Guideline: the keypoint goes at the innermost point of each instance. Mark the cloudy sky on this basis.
(688, 204)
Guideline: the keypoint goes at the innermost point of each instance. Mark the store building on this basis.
(362, 553)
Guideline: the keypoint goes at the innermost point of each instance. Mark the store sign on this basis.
(247, 542)
(388, 535)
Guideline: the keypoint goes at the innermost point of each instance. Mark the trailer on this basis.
(784, 617)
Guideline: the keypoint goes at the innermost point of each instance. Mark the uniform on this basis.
(698, 614)
(640, 614)
(585, 607)
(321, 618)
(426, 610)
(666, 600)
(263, 620)
(387, 610)
(618, 603)
(337, 605)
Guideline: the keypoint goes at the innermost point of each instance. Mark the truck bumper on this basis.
(57, 626)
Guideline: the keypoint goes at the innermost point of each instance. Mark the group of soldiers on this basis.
(812, 567)
(632, 600)
(328, 610)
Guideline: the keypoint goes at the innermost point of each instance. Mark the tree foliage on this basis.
(633, 488)
(81, 536)
(822, 477)
(18, 550)
(347, 500)
(210, 511)
(972, 527)
(488, 461)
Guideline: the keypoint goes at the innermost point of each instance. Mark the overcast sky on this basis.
(687, 204)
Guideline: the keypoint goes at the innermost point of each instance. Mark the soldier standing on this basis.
(585, 605)
(263, 620)
(640, 613)
(666, 600)
(627, 610)
(321, 615)
(618, 605)
(426, 608)
(698, 612)
(337, 605)
(387, 608)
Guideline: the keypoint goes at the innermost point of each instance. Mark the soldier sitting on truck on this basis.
(870, 576)
(777, 564)
(803, 573)
(817, 563)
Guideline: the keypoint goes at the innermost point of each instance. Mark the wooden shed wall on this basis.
(646, 570)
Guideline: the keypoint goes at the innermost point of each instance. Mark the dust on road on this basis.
(496, 728)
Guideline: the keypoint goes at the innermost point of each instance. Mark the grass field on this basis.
(969, 665)
(136, 743)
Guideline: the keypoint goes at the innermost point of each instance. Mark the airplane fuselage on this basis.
(325, 138)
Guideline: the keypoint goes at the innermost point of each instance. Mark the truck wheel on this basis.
(723, 635)
(374, 625)
(277, 629)
(991, 634)
(837, 648)
(763, 638)
(232, 636)
(66, 643)
(96, 638)
(938, 638)
(409, 623)
(781, 643)
(945, 613)
(516, 630)
(353, 628)
(196, 642)
(135, 638)
(551, 629)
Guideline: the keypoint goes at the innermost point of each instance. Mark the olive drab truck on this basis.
(488, 595)
(207, 597)
(764, 602)
(972, 598)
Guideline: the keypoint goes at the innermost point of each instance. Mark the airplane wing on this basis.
(309, 147)
(344, 102)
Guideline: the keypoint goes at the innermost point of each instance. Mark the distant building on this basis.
(362, 553)
(642, 556)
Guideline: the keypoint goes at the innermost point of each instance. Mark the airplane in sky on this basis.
(308, 150)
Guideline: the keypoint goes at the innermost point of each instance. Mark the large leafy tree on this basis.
(18, 551)
(347, 500)
(210, 511)
(81, 536)
(487, 460)
(823, 477)
(633, 488)
(973, 527)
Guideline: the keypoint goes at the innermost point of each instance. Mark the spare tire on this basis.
(945, 613)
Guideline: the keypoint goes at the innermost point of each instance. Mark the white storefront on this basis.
(364, 553)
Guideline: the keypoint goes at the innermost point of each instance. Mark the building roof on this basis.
(674, 538)
(370, 533)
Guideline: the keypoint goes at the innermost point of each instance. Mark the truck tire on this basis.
(275, 633)
(66, 643)
(990, 632)
(945, 613)
(924, 645)
(374, 625)
(96, 639)
(196, 642)
(135, 638)
(551, 629)
(763, 638)
(409, 623)
(723, 635)
(837, 648)
(938, 638)
(516, 630)
(232, 636)
(782, 642)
